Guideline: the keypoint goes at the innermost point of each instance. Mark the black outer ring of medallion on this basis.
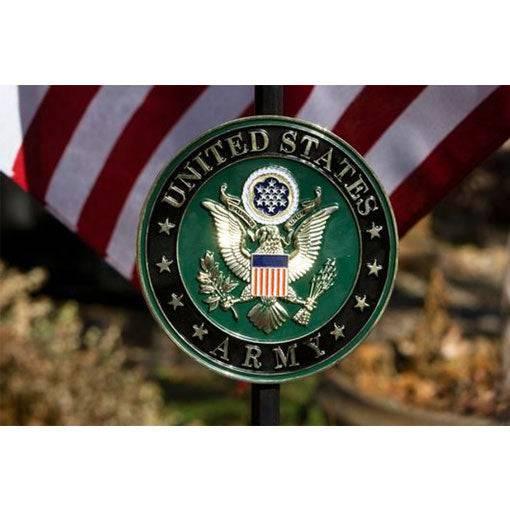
(165, 284)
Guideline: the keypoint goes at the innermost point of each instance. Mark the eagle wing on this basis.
(231, 235)
(307, 242)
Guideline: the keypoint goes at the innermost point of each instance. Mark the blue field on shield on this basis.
(269, 260)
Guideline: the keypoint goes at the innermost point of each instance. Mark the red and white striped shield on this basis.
(269, 275)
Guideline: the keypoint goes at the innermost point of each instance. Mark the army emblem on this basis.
(267, 249)
(270, 197)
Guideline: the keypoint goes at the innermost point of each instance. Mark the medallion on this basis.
(267, 249)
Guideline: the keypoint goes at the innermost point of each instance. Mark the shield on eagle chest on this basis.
(269, 275)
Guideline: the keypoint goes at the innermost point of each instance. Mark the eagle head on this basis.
(269, 239)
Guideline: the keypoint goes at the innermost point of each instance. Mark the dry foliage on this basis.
(436, 367)
(55, 371)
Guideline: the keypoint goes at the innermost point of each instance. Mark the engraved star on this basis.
(176, 301)
(199, 331)
(374, 231)
(165, 226)
(338, 331)
(374, 268)
(361, 303)
(164, 265)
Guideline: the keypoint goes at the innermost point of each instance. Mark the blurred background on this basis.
(79, 347)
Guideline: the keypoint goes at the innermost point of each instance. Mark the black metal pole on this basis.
(265, 398)
(268, 99)
(265, 404)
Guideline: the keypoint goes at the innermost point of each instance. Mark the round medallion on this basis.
(267, 249)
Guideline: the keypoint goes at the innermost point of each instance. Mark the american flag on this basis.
(90, 153)
(269, 275)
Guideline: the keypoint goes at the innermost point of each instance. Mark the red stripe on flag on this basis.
(294, 97)
(135, 278)
(162, 108)
(48, 135)
(372, 112)
(248, 111)
(485, 129)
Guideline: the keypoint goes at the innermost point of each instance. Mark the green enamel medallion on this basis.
(267, 249)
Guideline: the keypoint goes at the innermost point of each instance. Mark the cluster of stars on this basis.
(373, 269)
(165, 227)
(271, 197)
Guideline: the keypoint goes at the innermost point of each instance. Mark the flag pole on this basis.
(265, 398)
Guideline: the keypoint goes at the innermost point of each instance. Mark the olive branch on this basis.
(216, 285)
(321, 282)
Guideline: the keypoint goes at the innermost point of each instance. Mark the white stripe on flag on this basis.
(327, 103)
(18, 106)
(217, 104)
(420, 128)
(87, 151)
